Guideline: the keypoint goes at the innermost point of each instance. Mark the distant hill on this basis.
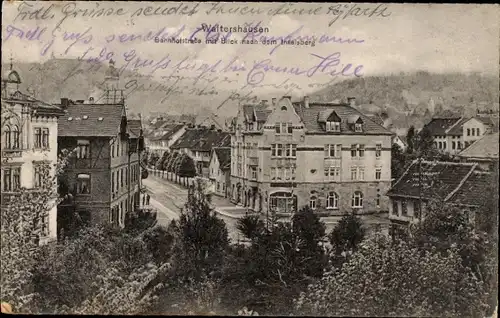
(412, 99)
(70, 78)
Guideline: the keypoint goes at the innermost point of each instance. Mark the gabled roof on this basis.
(224, 156)
(485, 148)
(312, 121)
(91, 120)
(166, 131)
(457, 128)
(36, 105)
(134, 127)
(472, 192)
(202, 139)
(257, 113)
(439, 126)
(433, 179)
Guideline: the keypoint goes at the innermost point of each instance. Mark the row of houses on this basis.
(102, 180)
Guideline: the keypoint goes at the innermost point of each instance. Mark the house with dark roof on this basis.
(453, 134)
(198, 142)
(455, 183)
(29, 141)
(484, 152)
(165, 136)
(220, 170)
(103, 179)
(329, 156)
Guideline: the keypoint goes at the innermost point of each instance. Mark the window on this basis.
(361, 173)
(357, 200)
(468, 131)
(283, 108)
(117, 180)
(477, 132)
(378, 151)
(404, 206)
(45, 138)
(333, 151)
(44, 225)
(11, 179)
(15, 137)
(473, 132)
(126, 176)
(273, 173)
(38, 138)
(290, 128)
(83, 149)
(294, 150)
(358, 128)
(395, 207)
(113, 182)
(416, 209)
(332, 173)
(218, 186)
(459, 145)
(83, 184)
(333, 126)
(282, 202)
(332, 200)
(290, 151)
(118, 148)
(253, 172)
(452, 145)
(312, 202)
(377, 201)
(114, 215)
(7, 137)
(279, 175)
(361, 150)
(112, 150)
(378, 173)
(121, 178)
(354, 173)
(444, 144)
(354, 152)
(279, 151)
(38, 176)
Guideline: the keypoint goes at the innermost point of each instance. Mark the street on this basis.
(168, 198)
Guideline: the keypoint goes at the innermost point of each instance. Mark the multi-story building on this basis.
(104, 176)
(220, 170)
(328, 156)
(197, 143)
(452, 135)
(29, 139)
(455, 183)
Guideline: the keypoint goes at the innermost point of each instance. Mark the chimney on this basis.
(91, 99)
(212, 127)
(274, 100)
(64, 103)
(306, 101)
(351, 101)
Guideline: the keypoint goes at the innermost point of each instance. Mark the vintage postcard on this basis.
(241, 158)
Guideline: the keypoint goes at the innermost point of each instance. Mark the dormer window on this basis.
(333, 126)
(358, 127)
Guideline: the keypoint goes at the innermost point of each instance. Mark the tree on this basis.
(186, 167)
(160, 164)
(423, 145)
(21, 226)
(201, 236)
(347, 234)
(410, 136)
(387, 279)
(399, 162)
(250, 226)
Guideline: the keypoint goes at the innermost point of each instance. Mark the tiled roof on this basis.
(439, 126)
(310, 117)
(38, 105)
(256, 112)
(224, 156)
(376, 119)
(134, 126)
(202, 139)
(474, 189)
(91, 120)
(435, 179)
(486, 147)
(165, 131)
(457, 129)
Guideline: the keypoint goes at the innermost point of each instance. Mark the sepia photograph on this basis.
(249, 159)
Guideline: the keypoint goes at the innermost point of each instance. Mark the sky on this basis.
(402, 38)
